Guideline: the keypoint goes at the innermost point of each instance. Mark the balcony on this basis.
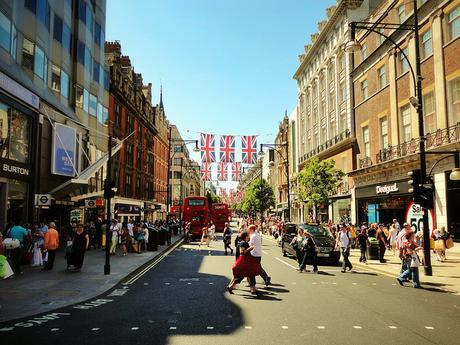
(365, 162)
(329, 143)
(435, 139)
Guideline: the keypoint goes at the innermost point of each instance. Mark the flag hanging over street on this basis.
(249, 149)
(236, 171)
(207, 146)
(227, 148)
(222, 171)
(206, 171)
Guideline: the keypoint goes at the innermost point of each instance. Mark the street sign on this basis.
(414, 216)
(90, 203)
(42, 199)
(76, 215)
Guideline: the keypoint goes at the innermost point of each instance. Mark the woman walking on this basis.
(393, 233)
(80, 243)
(409, 251)
(114, 229)
(204, 237)
(227, 239)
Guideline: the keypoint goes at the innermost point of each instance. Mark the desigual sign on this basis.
(387, 188)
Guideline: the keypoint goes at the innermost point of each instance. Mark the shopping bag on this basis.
(431, 243)
(449, 243)
(439, 245)
(5, 268)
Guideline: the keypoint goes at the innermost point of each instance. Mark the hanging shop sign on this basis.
(76, 215)
(63, 150)
(387, 188)
(414, 216)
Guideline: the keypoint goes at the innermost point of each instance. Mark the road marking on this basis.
(357, 327)
(167, 283)
(286, 263)
(173, 328)
(189, 283)
(334, 283)
(95, 329)
(374, 283)
(263, 251)
(54, 329)
(154, 263)
(134, 328)
(210, 327)
(6, 329)
(314, 283)
(284, 327)
(392, 327)
(355, 283)
(321, 327)
(211, 283)
(429, 327)
(294, 283)
(394, 284)
(146, 283)
(248, 327)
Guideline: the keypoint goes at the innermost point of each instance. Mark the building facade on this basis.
(387, 126)
(325, 117)
(137, 168)
(53, 107)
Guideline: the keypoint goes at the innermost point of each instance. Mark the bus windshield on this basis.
(196, 202)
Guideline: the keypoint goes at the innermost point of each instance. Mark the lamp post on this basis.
(352, 46)
(286, 166)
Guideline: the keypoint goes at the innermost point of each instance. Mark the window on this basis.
(384, 132)
(84, 56)
(39, 63)
(78, 96)
(57, 30)
(105, 116)
(98, 34)
(427, 44)
(429, 110)
(85, 100)
(343, 125)
(403, 63)
(66, 38)
(454, 104)
(406, 131)
(96, 71)
(177, 148)
(5, 32)
(28, 48)
(99, 113)
(14, 134)
(177, 175)
(64, 84)
(363, 52)
(14, 41)
(366, 142)
(41, 9)
(382, 77)
(177, 161)
(401, 13)
(364, 90)
(92, 105)
(343, 93)
(381, 38)
(56, 78)
(342, 62)
(453, 21)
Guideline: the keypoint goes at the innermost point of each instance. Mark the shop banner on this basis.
(63, 150)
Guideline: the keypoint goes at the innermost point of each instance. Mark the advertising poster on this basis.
(64, 148)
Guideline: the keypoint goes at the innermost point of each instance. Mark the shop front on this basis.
(125, 212)
(381, 203)
(341, 210)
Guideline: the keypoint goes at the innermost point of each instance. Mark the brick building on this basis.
(139, 169)
(387, 126)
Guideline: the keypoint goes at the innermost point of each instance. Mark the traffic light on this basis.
(109, 185)
(423, 194)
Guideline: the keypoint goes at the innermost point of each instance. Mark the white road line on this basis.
(248, 327)
(393, 284)
(211, 283)
(54, 329)
(392, 327)
(284, 262)
(95, 329)
(146, 283)
(167, 283)
(263, 251)
(173, 328)
(294, 283)
(189, 283)
(134, 328)
(284, 327)
(209, 327)
(357, 327)
(374, 283)
(355, 283)
(429, 327)
(321, 327)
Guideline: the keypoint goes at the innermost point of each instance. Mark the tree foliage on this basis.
(259, 197)
(212, 198)
(318, 180)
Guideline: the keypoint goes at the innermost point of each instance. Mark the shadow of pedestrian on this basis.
(325, 273)
(364, 273)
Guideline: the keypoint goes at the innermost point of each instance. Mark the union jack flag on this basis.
(207, 145)
(227, 148)
(236, 171)
(231, 196)
(222, 171)
(206, 171)
(249, 149)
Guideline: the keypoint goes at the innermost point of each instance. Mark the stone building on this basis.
(387, 126)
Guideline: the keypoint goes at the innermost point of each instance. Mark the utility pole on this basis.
(108, 185)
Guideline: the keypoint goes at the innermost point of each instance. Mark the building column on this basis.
(438, 59)
(440, 200)
(413, 111)
(394, 123)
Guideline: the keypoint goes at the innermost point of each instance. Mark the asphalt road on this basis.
(182, 300)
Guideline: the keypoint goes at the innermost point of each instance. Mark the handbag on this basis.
(11, 243)
(439, 245)
(415, 261)
(449, 243)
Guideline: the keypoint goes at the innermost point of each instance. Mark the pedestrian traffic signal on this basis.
(423, 194)
(109, 186)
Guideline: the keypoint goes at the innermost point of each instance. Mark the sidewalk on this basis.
(446, 275)
(36, 291)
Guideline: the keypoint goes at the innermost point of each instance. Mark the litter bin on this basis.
(372, 251)
(161, 236)
(153, 240)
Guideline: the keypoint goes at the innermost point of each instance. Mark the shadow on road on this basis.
(364, 273)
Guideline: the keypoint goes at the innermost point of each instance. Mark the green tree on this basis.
(259, 197)
(317, 181)
(212, 198)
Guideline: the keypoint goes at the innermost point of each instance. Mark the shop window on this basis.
(384, 132)
(28, 48)
(427, 44)
(40, 63)
(429, 110)
(453, 22)
(14, 134)
(382, 77)
(92, 105)
(16, 203)
(406, 130)
(454, 103)
(64, 84)
(56, 78)
(5, 32)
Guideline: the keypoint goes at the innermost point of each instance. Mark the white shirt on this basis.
(256, 241)
(130, 227)
(401, 238)
(393, 235)
(344, 239)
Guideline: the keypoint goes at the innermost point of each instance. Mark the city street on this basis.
(182, 300)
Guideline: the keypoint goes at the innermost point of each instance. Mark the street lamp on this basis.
(353, 45)
(276, 147)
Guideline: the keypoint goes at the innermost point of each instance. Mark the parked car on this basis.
(324, 240)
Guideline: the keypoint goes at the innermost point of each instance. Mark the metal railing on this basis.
(365, 162)
(329, 143)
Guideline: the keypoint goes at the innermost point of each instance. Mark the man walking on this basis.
(256, 243)
(51, 245)
(344, 242)
(227, 238)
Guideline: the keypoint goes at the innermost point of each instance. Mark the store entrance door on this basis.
(453, 216)
(386, 215)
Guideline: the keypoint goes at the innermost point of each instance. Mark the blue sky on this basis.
(226, 65)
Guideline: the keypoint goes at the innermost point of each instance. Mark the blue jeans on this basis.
(413, 272)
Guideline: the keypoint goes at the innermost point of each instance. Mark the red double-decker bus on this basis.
(196, 211)
(220, 214)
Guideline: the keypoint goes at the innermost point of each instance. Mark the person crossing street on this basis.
(344, 243)
(256, 243)
(227, 239)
